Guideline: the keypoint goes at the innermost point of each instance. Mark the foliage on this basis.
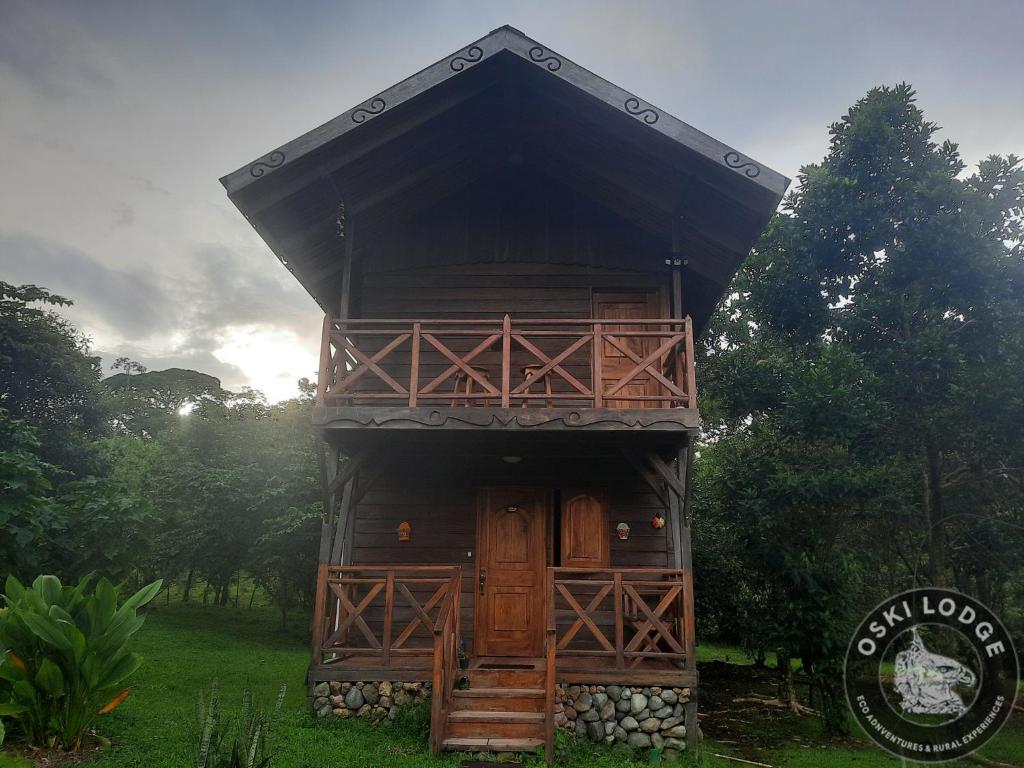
(48, 378)
(246, 745)
(149, 402)
(108, 529)
(862, 392)
(26, 509)
(65, 655)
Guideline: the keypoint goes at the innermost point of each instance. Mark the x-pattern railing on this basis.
(631, 615)
(373, 612)
(507, 363)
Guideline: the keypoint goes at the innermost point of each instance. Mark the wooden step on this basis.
(494, 716)
(499, 699)
(506, 678)
(494, 724)
(479, 744)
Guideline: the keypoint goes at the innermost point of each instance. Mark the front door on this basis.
(615, 364)
(511, 556)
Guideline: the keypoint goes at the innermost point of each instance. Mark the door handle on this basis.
(483, 579)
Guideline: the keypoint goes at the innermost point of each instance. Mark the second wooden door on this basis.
(610, 306)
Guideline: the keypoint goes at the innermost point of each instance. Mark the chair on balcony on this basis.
(465, 385)
(529, 374)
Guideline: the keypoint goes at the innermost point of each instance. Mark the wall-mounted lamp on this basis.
(658, 521)
(622, 529)
(404, 531)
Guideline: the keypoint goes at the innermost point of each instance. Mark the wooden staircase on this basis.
(502, 710)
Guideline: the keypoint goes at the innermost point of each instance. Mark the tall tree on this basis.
(48, 378)
(886, 247)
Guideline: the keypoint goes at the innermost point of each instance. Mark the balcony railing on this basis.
(508, 363)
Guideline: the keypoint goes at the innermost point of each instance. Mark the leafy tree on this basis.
(26, 510)
(48, 378)
(148, 402)
(886, 248)
(863, 385)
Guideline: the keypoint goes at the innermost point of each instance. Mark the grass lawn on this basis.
(185, 648)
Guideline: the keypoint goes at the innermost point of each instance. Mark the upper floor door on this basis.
(615, 363)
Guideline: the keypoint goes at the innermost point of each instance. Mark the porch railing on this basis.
(508, 363)
(616, 619)
(377, 618)
(622, 616)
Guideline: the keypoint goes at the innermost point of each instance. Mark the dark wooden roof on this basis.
(505, 100)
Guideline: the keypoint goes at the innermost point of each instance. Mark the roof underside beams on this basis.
(504, 111)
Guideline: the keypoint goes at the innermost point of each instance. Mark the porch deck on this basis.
(625, 626)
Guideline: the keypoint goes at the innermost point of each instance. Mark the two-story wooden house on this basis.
(514, 257)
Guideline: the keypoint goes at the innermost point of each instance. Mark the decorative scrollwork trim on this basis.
(472, 55)
(274, 160)
(539, 55)
(375, 107)
(734, 160)
(648, 115)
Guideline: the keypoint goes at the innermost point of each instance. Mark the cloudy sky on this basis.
(117, 119)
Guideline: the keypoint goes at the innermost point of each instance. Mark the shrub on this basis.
(64, 657)
(248, 747)
(11, 761)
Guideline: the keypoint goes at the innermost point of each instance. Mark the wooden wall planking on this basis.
(436, 492)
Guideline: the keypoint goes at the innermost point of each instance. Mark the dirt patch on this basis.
(747, 727)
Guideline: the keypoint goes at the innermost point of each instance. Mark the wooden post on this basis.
(328, 456)
(340, 553)
(551, 641)
(506, 361)
(389, 609)
(691, 375)
(324, 376)
(414, 365)
(620, 662)
(597, 376)
(345, 302)
(319, 610)
(684, 465)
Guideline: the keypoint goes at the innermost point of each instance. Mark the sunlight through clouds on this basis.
(271, 358)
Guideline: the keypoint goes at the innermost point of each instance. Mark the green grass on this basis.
(185, 648)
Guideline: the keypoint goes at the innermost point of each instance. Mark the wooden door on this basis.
(585, 542)
(615, 364)
(510, 571)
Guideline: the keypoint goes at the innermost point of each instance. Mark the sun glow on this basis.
(272, 359)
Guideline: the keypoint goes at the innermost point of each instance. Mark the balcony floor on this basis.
(443, 417)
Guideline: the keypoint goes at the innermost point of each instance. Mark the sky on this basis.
(118, 118)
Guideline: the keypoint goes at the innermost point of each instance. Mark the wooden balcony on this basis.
(507, 373)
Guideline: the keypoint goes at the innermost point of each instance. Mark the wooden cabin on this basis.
(514, 257)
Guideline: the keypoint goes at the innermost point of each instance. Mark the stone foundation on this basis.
(374, 700)
(642, 718)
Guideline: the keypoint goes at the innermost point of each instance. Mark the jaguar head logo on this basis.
(925, 680)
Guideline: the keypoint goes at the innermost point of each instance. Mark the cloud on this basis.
(44, 49)
(227, 316)
(129, 303)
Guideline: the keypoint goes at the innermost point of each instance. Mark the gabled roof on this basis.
(505, 99)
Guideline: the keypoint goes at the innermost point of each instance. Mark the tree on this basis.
(27, 512)
(886, 248)
(148, 402)
(863, 384)
(48, 378)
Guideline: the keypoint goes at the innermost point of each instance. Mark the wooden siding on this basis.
(436, 492)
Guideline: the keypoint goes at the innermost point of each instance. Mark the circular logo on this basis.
(931, 675)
